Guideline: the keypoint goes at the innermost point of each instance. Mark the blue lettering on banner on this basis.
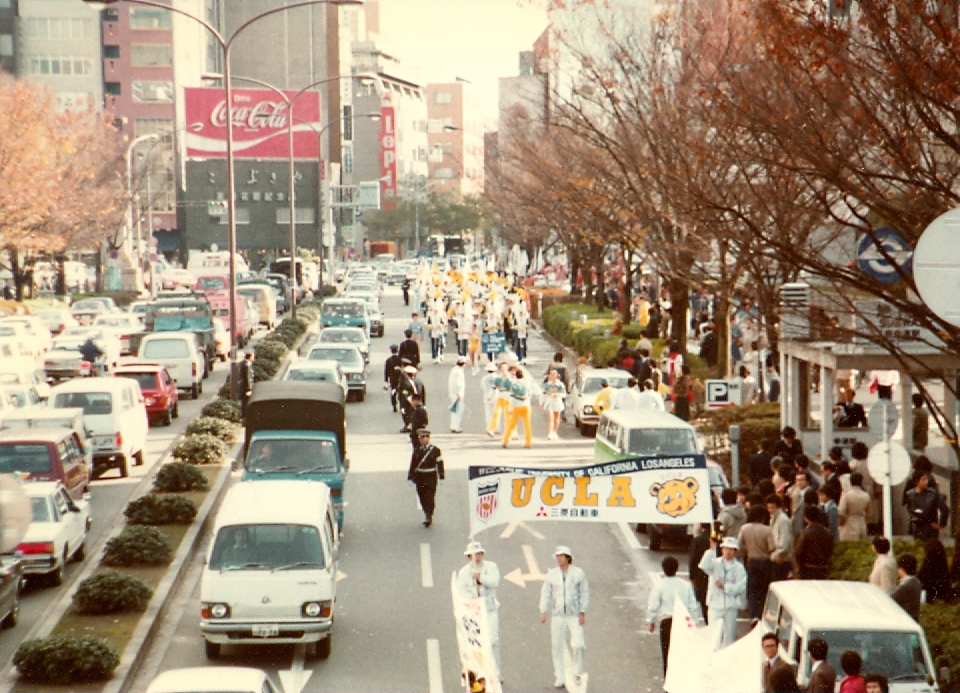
(624, 466)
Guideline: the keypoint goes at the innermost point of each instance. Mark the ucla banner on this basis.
(672, 490)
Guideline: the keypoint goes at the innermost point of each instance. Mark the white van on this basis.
(115, 415)
(265, 299)
(271, 572)
(180, 353)
(849, 616)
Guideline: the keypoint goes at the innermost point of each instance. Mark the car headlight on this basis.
(215, 610)
(311, 609)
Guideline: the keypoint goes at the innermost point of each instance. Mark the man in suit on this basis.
(823, 677)
(409, 349)
(771, 660)
(907, 594)
(392, 373)
(418, 420)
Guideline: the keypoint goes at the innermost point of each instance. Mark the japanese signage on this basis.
(473, 637)
(660, 490)
(388, 153)
(260, 122)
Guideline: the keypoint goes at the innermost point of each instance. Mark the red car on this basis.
(158, 387)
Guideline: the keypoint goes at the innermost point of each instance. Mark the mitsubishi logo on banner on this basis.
(388, 154)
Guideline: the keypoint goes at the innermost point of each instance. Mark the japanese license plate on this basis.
(266, 630)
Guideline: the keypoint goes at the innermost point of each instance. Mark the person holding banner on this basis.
(727, 589)
(480, 578)
(566, 596)
(426, 468)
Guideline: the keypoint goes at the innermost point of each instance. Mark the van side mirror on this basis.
(346, 464)
(335, 554)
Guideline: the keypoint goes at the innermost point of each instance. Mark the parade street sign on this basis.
(936, 264)
(723, 393)
(878, 264)
(889, 453)
(493, 342)
(883, 418)
(652, 489)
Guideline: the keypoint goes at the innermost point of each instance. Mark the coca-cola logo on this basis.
(265, 115)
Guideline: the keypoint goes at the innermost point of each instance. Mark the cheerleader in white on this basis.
(553, 394)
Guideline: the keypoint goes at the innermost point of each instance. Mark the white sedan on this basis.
(36, 330)
(317, 370)
(212, 679)
(14, 333)
(356, 336)
(64, 359)
(121, 326)
(57, 533)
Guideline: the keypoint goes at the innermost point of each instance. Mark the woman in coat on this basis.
(853, 509)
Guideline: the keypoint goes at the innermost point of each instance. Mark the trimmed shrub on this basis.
(177, 477)
(224, 391)
(152, 509)
(287, 337)
(200, 449)
(65, 659)
(265, 369)
(214, 426)
(223, 409)
(111, 592)
(270, 349)
(138, 545)
(328, 290)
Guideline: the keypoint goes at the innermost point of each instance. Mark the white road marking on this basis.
(630, 537)
(433, 666)
(512, 527)
(296, 677)
(340, 575)
(518, 577)
(426, 566)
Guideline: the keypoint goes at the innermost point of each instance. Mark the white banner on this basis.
(658, 490)
(473, 637)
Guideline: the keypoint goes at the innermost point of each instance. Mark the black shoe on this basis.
(428, 522)
(405, 429)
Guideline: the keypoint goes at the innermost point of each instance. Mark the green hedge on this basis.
(65, 659)
(137, 545)
(177, 477)
(853, 560)
(154, 509)
(223, 409)
(111, 592)
(226, 431)
(200, 448)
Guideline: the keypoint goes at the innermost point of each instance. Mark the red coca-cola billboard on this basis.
(388, 154)
(259, 124)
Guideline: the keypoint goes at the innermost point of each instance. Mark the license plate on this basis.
(267, 630)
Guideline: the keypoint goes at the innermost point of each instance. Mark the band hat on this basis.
(730, 543)
(410, 369)
(421, 432)
(473, 547)
(563, 551)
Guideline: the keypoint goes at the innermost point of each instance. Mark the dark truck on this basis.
(187, 313)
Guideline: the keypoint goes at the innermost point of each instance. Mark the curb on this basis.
(51, 616)
(134, 653)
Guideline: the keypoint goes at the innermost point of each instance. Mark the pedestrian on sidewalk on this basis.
(426, 471)
(480, 578)
(457, 389)
(553, 394)
(246, 382)
(520, 393)
(565, 595)
(661, 602)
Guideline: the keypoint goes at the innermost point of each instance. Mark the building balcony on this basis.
(112, 71)
(111, 33)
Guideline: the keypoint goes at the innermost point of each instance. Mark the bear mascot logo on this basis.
(676, 497)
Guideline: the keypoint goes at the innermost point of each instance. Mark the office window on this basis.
(443, 173)
(58, 29)
(151, 54)
(149, 18)
(59, 65)
(240, 214)
(347, 159)
(111, 51)
(112, 88)
(6, 45)
(305, 215)
(443, 97)
(152, 92)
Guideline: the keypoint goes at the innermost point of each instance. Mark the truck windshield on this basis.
(345, 357)
(292, 455)
(166, 349)
(342, 310)
(662, 441)
(266, 547)
(896, 655)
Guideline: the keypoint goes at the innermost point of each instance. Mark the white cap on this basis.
(410, 369)
(473, 547)
(565, 550)
(461, 360)
(730, 543)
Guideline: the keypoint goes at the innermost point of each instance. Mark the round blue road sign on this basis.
(873, 262)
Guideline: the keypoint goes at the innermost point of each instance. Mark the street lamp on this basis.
(226, 43)
(290, 101)
(130, 213)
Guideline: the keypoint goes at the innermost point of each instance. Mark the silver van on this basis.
(849, 616)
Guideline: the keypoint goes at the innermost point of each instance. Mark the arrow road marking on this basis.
(426, 566)
(512, 527)
(340, 575)
(296, 677)
(517, 577)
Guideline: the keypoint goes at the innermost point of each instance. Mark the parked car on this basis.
(351, 363)
(315, 370)
(159, 390)
(212, 680)
(584, 391)
(54, 453)
(180, 354)
(58, 532)
(11, 585)
(346, 335)
(121, 326)
(11, 348)
(115, 413)
(57, 319)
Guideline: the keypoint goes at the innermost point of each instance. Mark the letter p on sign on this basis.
(722, 393)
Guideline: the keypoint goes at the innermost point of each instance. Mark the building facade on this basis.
(455, 137)
(9, 37)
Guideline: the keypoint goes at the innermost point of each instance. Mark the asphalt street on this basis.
(394, 627)
(109, 496)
